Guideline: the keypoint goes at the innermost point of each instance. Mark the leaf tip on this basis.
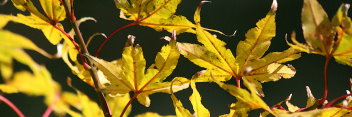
(309, 92)
(274, 5)
(130, 41)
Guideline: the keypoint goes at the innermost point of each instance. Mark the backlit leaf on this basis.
(315, 23)
(196, 100)
(179, 109)
(157, 14)
(343, 53)
(127, 74)
(50, 32)
(325, 37)
(251, 98)
(249, 63)
(152, 114)
(12, 47)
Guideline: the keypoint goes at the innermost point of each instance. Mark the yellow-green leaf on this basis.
(179, 109)
(39, 83)
(257, 41)
(196, 100)
(343, 53)
(251, 98)
(152, 114)
(12, 46)
(157, 14)
(53, 9)
(127, 74)
(315, 25)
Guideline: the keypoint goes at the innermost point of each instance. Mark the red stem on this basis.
(301, 109)
(13, 106)
(278, 106)
(128, 104)
(238, 82)
(84, 62)
(326, 82)
(113, 33)
(48, 111)
(335, 100)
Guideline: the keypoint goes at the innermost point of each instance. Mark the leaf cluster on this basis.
(249, 64)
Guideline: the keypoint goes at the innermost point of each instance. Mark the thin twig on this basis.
(13, 106)
(92, 70)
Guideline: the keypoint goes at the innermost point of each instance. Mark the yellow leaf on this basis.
(179, 109)
(326, 112)
(252, 99)
(257, 41)
(202, 57)
(238, 109)
(196, 100)
(343, 53)
(152, 114)
(117, 104)
(221, 64)
(39, 84)
(28, 5)
(11, 47)
(51, 33)
(82, 102)
(127, 74)
(157, 14)
(53, 9)
(3, 22)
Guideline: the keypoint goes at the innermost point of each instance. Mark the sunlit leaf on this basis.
(251, 98)
(50, 32)
(196, 100)
(157, 14)
(127, 74)
(238, 109)
(343, 53)
(249, 62)
(327, 112)
(12, 47)
(53, 9)
(325, 37)
(152, 114)
(179, 109)
(38, 84)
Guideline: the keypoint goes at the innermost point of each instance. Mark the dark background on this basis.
(224, 15)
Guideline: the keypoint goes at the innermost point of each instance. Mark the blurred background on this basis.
(224, 15)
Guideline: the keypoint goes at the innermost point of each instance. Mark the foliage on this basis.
(119, 82)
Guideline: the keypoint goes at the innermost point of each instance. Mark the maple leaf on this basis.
(90, 108)
(12, 47)
(249, 62)
(319, 33)
(48, 23)
(157, 14)
(152, 114)
(128, 73)
(195, 99)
